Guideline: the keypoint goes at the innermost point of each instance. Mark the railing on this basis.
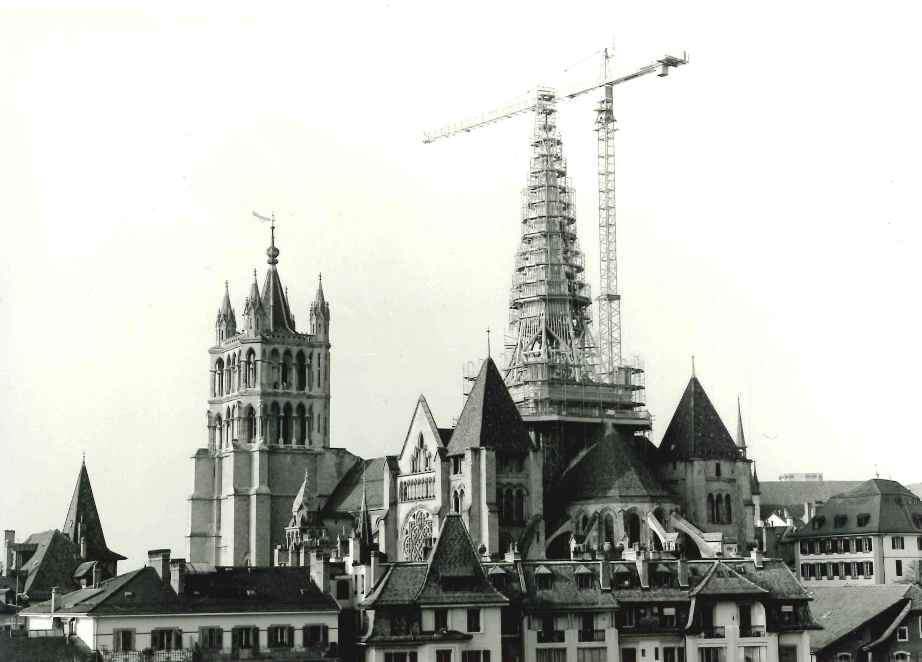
(591, 635)
(753, 631)
(181, 655)
(550, 636)
(716, 632)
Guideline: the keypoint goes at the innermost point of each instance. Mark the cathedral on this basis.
(550, 456)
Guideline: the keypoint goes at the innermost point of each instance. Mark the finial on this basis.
(227, 286)
(320, 277)
(488, 342)
(272, 251)
(693, 365)
(83, 460)
(254, 276)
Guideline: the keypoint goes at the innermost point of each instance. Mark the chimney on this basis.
(643, 568)
(513, 554)
(83, 547)
(178, 575)
(54, 594)
(320, 570)
(682, 572)
(9, 556)
(97, 575)
(756, 556)
(159, 560)
(374, 569)
(605, 574)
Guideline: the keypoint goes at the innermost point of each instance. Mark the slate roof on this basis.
(221, 589)
(83, 520)
(889, 507)
(490, 418)
(563, 592)
(275, 303)
(52, 563)
(843, 609)
(614, 467)
(454, 557)
(792, 494)
(724, 580)
(696, 430)
(347, 497)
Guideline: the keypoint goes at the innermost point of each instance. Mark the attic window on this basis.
(250, 593)
(584, 581)
(818, 522)
(839, 521)
(917, 520)
(543, 578)
(863, 519)
(129, 595)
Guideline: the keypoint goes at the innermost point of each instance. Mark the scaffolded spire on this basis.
(549, 322)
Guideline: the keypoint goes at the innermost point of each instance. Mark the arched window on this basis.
(520, 506)
(274, 416)
(457, 501)
(285, 376)
(710, 506)
(302, 420)
(219, 431)
(251, 424)
(274, 369)
(609, 528)
(310, 373)
(251, 369)
(508, 509)
(229, 425)
(308, 422)
(728, 510)
(301, 370)
(286, 424)
(219, 377)
(632, 527)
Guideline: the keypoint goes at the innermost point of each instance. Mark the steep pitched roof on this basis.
(454, 559)
(82, 521)
(724, 580)
(52, 563)
(874, 506)
(754, 485)
(347, 497)
(843, 609)
(489, 417)
(275, 302)
(696, 430)
(613, 467)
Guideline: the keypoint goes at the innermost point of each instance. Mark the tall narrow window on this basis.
(728, 510)
(301, 371)
(301, 424)
(520, 506)
(710, 508)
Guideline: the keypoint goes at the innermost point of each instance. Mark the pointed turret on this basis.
(363, 528)
(82, 523)
(320, 312)
(696, 431)
(226, 322)
(740, 436)
(755, 487)
(278, 314)
(253, 312)
(489, 417)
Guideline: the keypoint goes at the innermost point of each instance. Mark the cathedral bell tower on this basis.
(268, 422)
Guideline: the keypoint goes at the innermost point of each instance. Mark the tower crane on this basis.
(609, 301)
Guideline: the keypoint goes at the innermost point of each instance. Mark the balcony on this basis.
(714, 632)
(752, 631)
(550, 636)
(591, 635)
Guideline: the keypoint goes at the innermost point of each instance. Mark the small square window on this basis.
(902, 633)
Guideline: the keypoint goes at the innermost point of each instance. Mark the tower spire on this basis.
(740, 436)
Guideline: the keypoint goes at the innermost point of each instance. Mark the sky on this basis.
(768, 221)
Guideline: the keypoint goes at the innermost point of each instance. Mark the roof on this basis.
(347, 497)
(792, 494)
(721, 579)
(221, 589)
(489, 418)
(754, 486)
(874, 506)
(843, 609)
(275, 302)
(563, 592)
(613, 467)
(696, 430)
(52, 563)
(82, 521)
(454, 558)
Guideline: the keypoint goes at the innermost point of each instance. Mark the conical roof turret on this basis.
(274, 300)
(740, 435)
(755, 487)
(82, 522)
(320, 311)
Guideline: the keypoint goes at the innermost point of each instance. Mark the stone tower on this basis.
(268, 424)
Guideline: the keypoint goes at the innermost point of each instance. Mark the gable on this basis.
(422, 440)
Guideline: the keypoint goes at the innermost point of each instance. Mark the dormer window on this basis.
(818, 522)
(863, 519)
(839, 521)
(456, 465)
(544, 579)
(584, 582)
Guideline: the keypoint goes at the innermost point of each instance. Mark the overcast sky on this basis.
(768, 210)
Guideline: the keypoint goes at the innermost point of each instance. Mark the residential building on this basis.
(216, 612)
(871, 534)
(64, 558)
(461, 605)
(867, 623)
